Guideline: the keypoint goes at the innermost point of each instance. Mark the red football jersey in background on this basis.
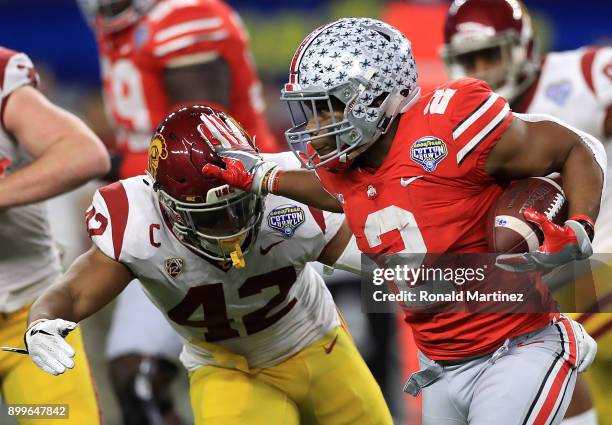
(431, 194)
(180, 32)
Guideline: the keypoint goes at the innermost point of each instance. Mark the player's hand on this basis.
(45, 342)
(243, 170)
(587, 347)
(562, 244)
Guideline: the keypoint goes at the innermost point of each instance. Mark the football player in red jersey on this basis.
(156, 56)
(423, 183)
(494, 40)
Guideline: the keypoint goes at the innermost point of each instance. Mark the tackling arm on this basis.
(304, 186)
(342, 252)
(65, 152)
(90, 283)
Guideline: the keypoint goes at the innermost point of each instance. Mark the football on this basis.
(507, 230)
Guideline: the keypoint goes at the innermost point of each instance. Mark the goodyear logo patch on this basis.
(286, 219)
(428, 152)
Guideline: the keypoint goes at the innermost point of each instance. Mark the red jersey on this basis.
(431, 194)
(175, 33)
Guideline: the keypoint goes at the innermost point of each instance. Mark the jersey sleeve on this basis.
(184, 33)
(16, 70)
(106, 219)
(477, 117)
(596, 64)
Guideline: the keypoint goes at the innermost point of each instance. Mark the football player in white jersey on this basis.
(44, 151)
(493, 40)
(156, 56)
(262, 339)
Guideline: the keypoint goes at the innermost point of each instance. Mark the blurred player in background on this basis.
(263, 341)
(44, 151)
(493, 40)
(156, 56)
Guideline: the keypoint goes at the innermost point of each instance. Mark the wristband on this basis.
(586, 222)
(274, 179)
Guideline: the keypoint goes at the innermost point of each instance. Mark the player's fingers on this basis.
(42, 365)
(52, 363)
(535, 217)
(211, 170)
(66, 349)
(64, 327)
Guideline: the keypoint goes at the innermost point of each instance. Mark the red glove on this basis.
(256, 179)
(234, 174)
(561, 244)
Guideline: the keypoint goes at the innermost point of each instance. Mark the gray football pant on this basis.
(529, 380)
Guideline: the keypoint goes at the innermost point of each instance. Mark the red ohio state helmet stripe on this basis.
(118, 208)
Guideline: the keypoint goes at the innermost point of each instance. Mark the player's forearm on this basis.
(583, 181)
(304, 186)
(61, 168)
(91, 282)
(54, 303)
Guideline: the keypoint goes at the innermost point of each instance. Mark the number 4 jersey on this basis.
(431, 195)
(264, 313)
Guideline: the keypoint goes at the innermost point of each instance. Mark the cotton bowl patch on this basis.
(286, 219)
(428, 152)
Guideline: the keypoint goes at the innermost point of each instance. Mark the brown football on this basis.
(507, 230)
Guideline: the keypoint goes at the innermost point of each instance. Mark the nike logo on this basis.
(405, 182)
(331, 345)
(264, 251)
(36, 331)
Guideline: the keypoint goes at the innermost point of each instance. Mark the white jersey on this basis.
(265, 312)
(29, 260)
(576, 87)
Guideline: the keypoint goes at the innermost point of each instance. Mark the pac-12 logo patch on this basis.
(286, 219)
(174, 266)
(428, 152)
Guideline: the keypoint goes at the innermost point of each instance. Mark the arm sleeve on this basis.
(99, 226)
(478, 118)
(16, 70)
(597, 68)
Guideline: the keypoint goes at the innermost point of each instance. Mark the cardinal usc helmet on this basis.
(114, 15)
(491, 40)
(348, 81)
(205, 214)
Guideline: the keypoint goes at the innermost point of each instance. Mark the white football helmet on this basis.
(359, 68)
(114, 15)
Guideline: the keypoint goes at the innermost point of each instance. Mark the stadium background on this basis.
(56, 37)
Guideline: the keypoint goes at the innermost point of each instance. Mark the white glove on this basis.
(46, 345)
(587, 347)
